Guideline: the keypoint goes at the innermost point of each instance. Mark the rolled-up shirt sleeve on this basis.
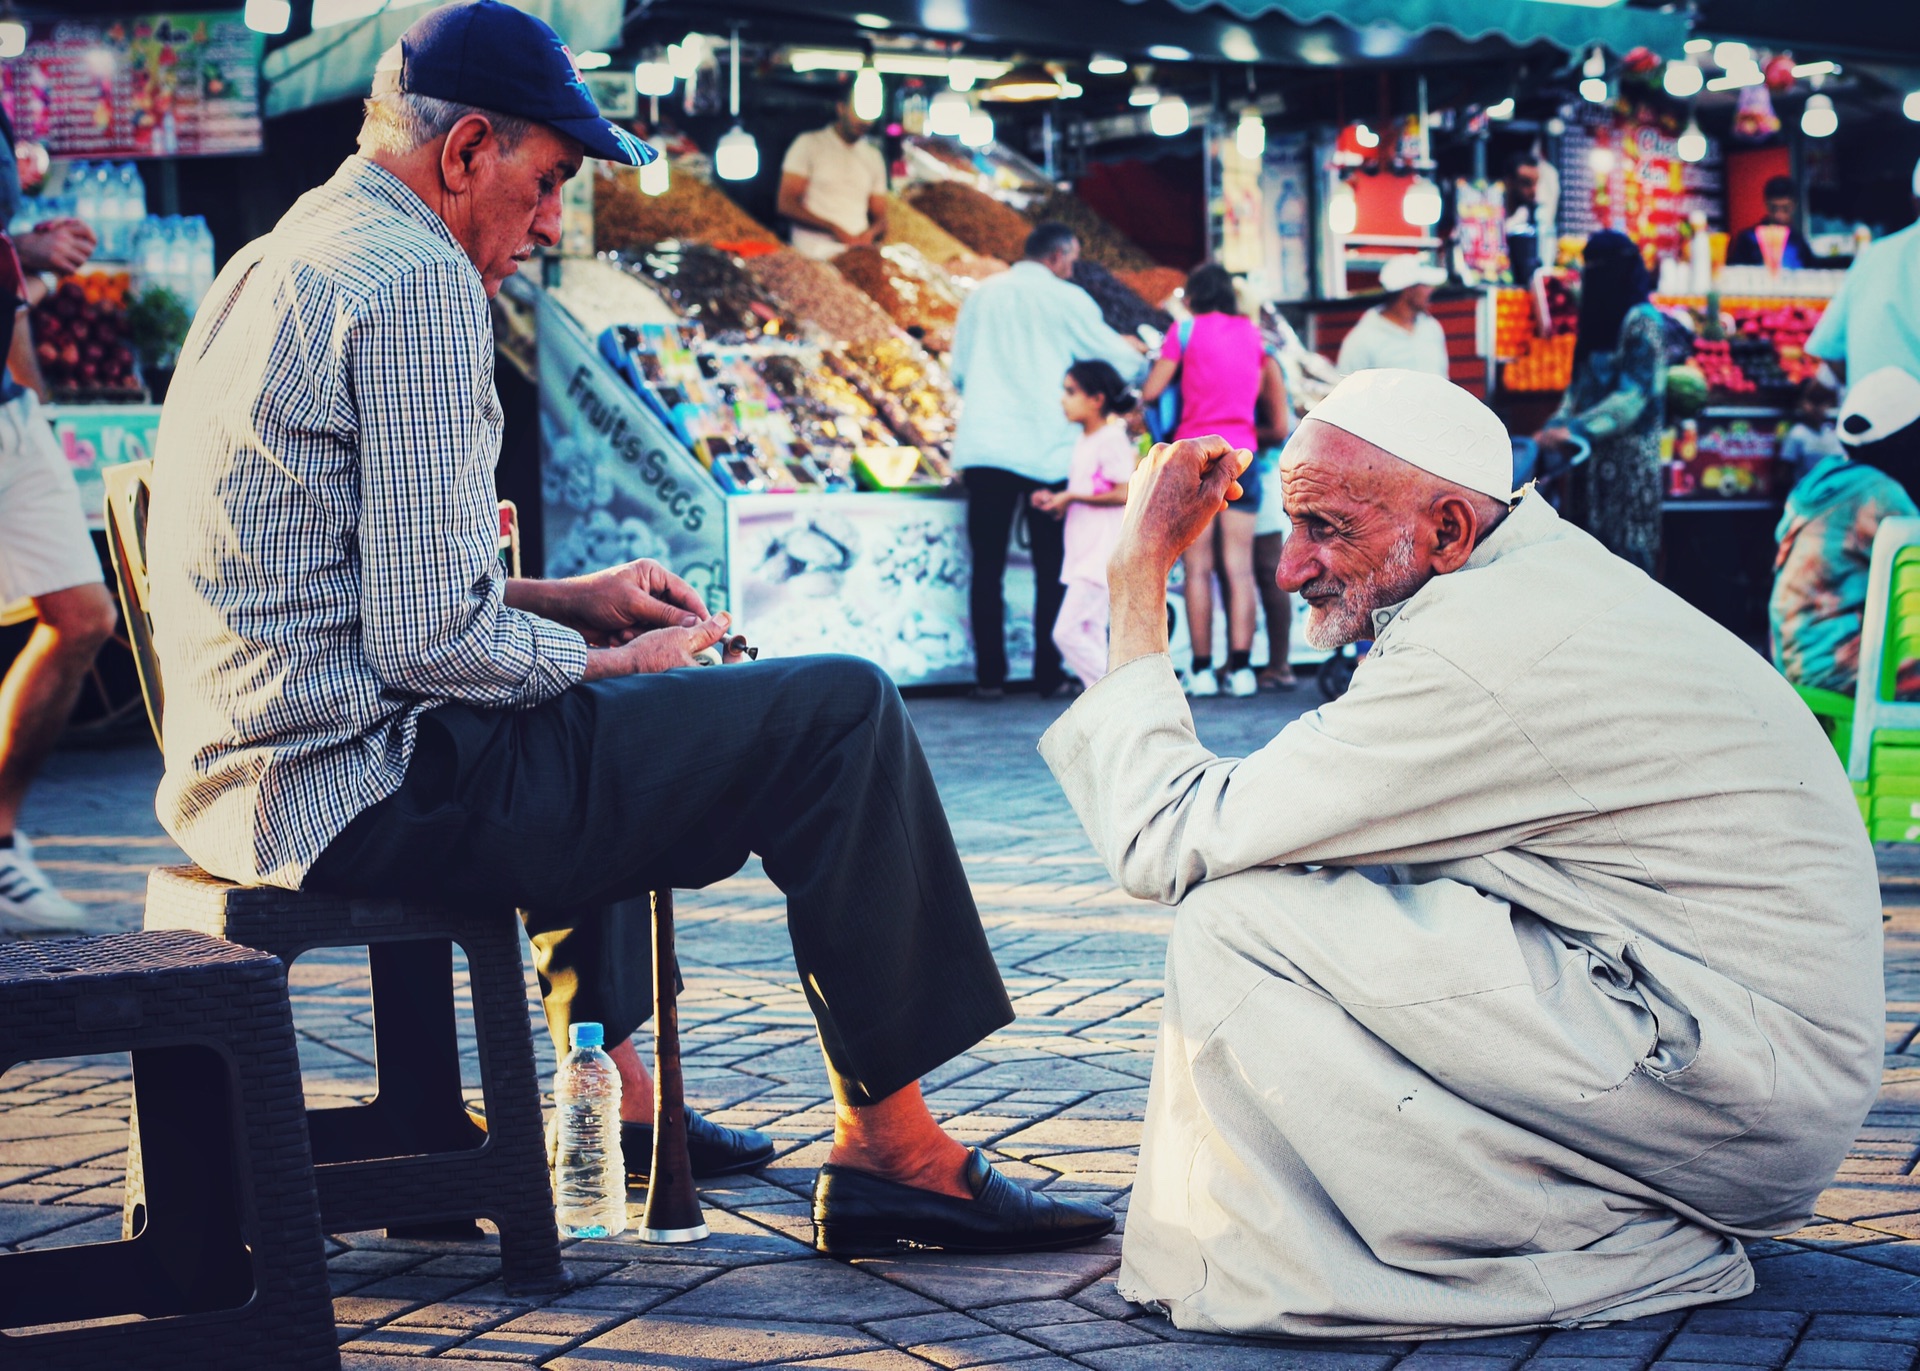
(434, 621)
(1416, 764)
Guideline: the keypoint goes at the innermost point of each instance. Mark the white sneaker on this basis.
(1243, 683)
(28, 901)
(1203, 685)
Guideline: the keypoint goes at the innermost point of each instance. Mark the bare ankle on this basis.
(897, 1140)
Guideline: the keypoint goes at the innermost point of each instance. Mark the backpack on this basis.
(1163, 415)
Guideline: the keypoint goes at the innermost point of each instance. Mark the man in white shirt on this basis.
(1016, 336)
(1519, 985)
(1400, 333)
(833, 187)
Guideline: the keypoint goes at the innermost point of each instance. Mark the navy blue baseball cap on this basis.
(484, 53)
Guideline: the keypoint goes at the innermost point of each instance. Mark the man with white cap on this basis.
(1874, 321)
(1400, 332)
(1515, 987)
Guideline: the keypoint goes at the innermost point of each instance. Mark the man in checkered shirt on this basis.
(358, 701)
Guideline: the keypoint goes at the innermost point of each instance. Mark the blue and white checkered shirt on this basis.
(322, 544)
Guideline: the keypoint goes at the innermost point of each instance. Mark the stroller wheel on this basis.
(1335, 674)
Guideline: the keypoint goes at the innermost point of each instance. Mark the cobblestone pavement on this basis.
(1056, 1099)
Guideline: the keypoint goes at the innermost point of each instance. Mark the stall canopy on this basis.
(336, 63)
(1522, 23)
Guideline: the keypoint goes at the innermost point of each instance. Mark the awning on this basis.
(1572, 27)
(337, 63)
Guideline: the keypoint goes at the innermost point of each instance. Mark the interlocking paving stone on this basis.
(687, 1344)
(1727, 1349)
(1854, 1356)
(815, 1291)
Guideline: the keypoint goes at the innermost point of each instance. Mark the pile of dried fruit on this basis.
(1123, 310)
(1099, 240)
(975, 218)
(1155, 285)
(916, 295)
(624, 219)
(713, 289)
(906, 385)
(815, 293)
(907, 224)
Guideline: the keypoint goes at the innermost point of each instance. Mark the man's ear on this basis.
(460, 154)
(1456, 528)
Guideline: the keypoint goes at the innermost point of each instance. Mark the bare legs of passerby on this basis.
(1226, 551)
(36, 698)
(1278, 607)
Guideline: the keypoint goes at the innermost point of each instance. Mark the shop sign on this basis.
(157, 85)
(885, 577)
(1480, 231)
(95, 437)
(615, 483)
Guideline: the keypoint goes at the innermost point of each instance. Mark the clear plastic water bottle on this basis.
(180, 260)
(85, 192)
(201, 239)
(130, 198)
(589, 1173)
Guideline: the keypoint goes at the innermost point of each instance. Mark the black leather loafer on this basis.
(712, 1149)
(858, 1215)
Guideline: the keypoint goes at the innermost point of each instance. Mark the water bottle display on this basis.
(589, 1173)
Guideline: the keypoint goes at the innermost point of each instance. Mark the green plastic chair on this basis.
(1882, 742)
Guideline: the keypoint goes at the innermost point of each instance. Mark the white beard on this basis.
(1350, 618)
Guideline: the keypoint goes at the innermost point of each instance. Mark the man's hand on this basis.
(614, 606)
(61, 245)
(1052, 502)
(660, 649)
(1175, 495)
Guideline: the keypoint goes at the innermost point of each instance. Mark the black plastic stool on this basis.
(223, 1256)
(412, 1157)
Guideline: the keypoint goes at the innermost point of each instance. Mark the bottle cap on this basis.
(586, 1035)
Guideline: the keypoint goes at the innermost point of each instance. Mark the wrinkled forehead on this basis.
(1322, 450)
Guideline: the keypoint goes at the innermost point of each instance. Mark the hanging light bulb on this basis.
(1250, 134)
(1818, 119)
(653, 77)
(1421, 204)
(1911, 106)
(869, 95)
(1501, 111)
(1692, 144)
(1169, 117)
(1102, 65)
(262, 16)
(1594, 88)
(1603, 161)
(1683, 80)
(654, 177)
(1343, 209)
(1145, 93)
(1365, 136)
(1596, 63)
(962, 75)
(737, 156)
(1728, 56)
(979, 130)
(685, 57)
(947, 114)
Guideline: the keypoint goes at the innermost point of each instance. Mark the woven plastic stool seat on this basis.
(411, 1157)
(223, 1259)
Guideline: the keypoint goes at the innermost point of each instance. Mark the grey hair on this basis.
(399, 122)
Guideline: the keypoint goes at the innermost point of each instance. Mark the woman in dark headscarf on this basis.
(1617, 401)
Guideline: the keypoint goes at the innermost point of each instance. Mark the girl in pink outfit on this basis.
(1094, 396)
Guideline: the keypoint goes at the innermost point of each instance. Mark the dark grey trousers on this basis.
(573, 810)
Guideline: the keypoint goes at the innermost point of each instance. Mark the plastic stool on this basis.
(412, 1157)
(223, 1255)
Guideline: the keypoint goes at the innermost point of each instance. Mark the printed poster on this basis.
(159, 85)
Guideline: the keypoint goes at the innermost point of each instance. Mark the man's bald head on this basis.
(1368, 529)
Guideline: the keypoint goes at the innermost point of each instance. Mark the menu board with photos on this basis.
(158, 85)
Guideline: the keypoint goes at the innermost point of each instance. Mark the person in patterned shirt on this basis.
(1826, 536)
(359, 702)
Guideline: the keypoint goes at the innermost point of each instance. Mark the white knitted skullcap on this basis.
(1427, 421)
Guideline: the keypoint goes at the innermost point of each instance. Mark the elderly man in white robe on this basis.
(1520, 984)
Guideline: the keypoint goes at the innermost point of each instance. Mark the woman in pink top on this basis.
(1228, 386)
(1094, 396)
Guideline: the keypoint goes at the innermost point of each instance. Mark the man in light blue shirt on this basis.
(1016, 336)
(1874, 321)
